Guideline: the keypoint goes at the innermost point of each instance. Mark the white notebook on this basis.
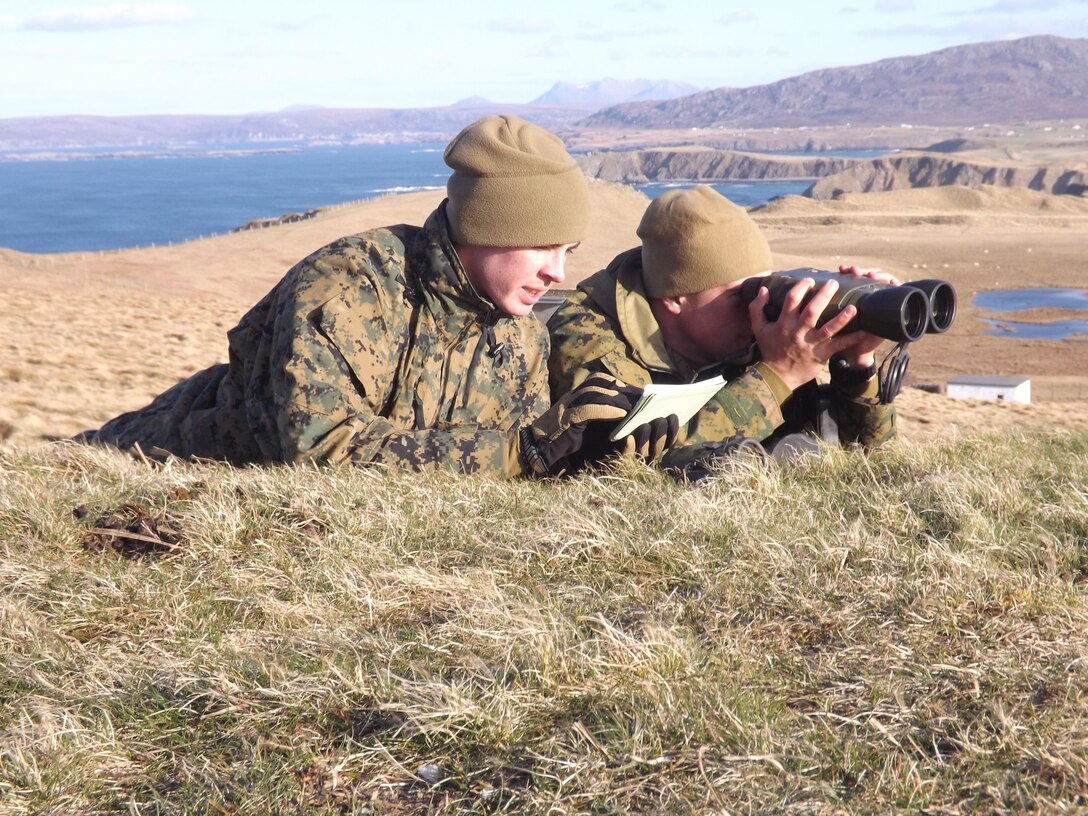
(684, 400)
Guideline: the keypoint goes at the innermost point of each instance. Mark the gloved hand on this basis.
(575, 429)
(649, 441)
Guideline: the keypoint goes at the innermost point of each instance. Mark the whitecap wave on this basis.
(411, 189)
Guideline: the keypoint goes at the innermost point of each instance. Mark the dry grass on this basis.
(904, 632)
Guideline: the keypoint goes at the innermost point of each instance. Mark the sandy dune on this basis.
(84, 336)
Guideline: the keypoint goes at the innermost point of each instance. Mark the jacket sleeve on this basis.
(585, 341)
(335, 352)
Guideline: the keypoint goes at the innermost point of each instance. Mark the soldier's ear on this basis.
(674, 305)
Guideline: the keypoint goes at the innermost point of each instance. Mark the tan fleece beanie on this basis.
(696, 239)
(514, 185)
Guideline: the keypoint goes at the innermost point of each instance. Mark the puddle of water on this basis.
(1055, 330)
(1020, 300)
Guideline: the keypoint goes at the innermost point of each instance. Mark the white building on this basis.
(1002, 389)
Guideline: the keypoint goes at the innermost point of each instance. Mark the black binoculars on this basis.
(901, 313)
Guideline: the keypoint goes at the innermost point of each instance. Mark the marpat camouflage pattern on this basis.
(375, 349)
(607, 326)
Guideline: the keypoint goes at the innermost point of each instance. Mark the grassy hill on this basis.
(904, 632)
(900, 632)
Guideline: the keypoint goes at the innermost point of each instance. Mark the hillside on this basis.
(897, 633)
(84, 336)
(927, 170)
(903, 631)
(1034, 78)
(1040, 160)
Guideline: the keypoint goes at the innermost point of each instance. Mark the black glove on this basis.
(575, 429)
(650, 440)
(693, 463)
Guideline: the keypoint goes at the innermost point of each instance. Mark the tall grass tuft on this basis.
(907, 631)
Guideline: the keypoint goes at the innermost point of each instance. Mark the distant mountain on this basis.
(611, 92)
(344, 125)
(1034, 78)
(472, 101)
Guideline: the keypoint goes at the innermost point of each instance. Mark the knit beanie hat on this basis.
(514, 185)
(696, 239)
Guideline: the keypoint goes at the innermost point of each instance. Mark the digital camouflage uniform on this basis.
(607, 325)
(375, 349)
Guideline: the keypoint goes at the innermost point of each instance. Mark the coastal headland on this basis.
(1045, 156)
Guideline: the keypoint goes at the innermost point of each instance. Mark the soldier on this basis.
(670, 311)
(407, 346)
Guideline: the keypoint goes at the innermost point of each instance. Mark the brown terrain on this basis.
(84, 336)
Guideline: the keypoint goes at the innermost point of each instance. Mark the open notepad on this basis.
(684, 400)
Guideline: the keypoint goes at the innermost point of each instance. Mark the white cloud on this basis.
(551, 51)
(629, 6)
(894, 5)
(738, 17)
(536, 25)
(294, 24)
(118, 15)
(1015, 7)
(848, 10)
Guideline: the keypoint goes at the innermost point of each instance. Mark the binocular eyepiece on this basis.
(900, 313)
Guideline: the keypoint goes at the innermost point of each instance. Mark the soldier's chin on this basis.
(518, 304)
(517, 309)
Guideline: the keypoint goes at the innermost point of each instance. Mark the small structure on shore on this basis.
(1001, 389)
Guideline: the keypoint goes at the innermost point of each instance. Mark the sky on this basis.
(62, 57)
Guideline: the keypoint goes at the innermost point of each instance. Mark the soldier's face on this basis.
(514, 278)
(714, 323)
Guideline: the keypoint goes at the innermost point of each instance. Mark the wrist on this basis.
(857, 360)
(851, 373)
(531, 459)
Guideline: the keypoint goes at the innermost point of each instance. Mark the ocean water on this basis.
(112, 199)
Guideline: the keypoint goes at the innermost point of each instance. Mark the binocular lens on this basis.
(942, 303)
(915, 314)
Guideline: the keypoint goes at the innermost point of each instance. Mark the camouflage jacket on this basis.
(607, 325)
(374, 349)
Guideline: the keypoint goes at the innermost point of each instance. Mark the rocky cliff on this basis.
(696, 164)
(923, 170)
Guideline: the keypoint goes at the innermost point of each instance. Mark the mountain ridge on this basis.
(1032, 78)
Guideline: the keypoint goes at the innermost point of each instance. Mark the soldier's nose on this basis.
(553, 268)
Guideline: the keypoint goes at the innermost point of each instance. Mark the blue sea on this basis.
(83, 201)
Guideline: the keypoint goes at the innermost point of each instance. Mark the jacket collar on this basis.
(619, 291)
(438, 273)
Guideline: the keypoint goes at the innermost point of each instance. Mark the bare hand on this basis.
(879, 275)
(794, 347)
(862, 353)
